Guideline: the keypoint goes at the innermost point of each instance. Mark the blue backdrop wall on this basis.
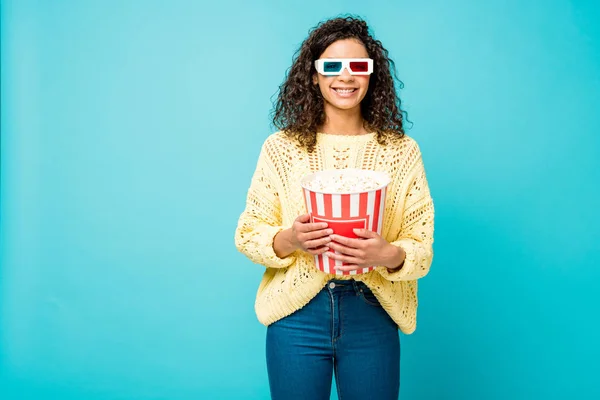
(130, 131)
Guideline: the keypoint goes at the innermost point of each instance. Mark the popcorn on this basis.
(345, 181)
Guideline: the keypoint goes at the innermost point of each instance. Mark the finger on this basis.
(349, 242)
(365, 233)
(312, 226)
(317, 234)
(343, 258)
(303, 218)
(304, 224)
(308, 226)
(318, 251)
(311, 244)
(346, 268)
(345, 249)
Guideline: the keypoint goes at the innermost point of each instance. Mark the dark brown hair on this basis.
(299, 109)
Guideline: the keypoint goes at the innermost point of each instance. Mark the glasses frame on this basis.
(320, 66)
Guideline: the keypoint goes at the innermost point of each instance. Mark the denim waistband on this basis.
(341, 285)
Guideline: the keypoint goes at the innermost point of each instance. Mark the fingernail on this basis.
(329, 231)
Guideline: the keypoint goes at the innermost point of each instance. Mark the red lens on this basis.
(359, 66)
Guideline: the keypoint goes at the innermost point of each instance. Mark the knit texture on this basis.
(275, 200)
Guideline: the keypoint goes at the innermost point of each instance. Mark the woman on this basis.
(335, 114)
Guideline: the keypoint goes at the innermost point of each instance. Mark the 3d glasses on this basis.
(335, 66)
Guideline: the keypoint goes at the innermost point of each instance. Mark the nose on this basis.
(346, 75)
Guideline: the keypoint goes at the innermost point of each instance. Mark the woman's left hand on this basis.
(370, 249)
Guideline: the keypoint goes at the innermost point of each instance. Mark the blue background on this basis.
(130, 131)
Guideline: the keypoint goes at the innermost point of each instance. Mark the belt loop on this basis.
(355, 285)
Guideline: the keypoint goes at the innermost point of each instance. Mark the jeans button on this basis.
(332, 285)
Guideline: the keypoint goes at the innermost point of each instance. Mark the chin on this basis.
(344, 106)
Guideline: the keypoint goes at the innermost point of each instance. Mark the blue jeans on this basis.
(343, 330)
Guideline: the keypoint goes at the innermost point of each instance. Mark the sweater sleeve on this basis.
(416, 232)
(261, 219)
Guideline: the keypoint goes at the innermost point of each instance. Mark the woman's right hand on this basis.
(311, 237)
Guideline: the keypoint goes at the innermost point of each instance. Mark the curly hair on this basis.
(299, 109)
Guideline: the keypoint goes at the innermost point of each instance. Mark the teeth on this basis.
(344, 90)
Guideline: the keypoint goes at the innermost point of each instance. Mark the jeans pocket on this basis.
(368, 297)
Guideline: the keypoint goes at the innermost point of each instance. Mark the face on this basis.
(335, 88)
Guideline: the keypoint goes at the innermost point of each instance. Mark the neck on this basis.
(343, 122)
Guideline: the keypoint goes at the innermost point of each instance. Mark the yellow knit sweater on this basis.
(275, 199)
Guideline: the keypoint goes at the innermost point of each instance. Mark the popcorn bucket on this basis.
(345, 199)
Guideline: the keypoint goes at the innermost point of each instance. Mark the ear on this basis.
(315, 79)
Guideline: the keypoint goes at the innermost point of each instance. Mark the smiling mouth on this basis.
(344, 91)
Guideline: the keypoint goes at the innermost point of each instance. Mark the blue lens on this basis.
(332, 66)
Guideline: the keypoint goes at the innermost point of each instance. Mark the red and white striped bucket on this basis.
(345, 211)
